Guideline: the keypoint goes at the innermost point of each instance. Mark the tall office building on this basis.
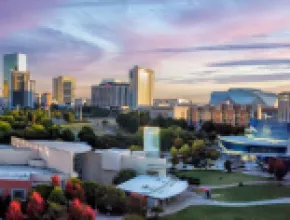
(32, 91)
(16, 61)
(19, 93)
(284, 106)
(110, 93)
(46, 99)
(141, 87)
(64, 89)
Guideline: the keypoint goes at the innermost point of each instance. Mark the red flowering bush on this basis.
(55, 180)
(79, 211)
(36, 205)
(74, 191)
(14, 211)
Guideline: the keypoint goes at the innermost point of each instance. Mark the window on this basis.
(18, 194)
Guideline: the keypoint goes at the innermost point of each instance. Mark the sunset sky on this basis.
(194, 46)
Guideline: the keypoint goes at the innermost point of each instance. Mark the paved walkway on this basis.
(245, 183)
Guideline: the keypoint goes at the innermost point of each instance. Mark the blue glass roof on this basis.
(244, 96)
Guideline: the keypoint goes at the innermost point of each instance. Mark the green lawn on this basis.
(271, 212)
(251, 193)
(212, 177)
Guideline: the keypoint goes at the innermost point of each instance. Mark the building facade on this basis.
(11, 62)
(20, 90)
(224, 113)
(174, 112)
(141, 87)
(46, 99)
(170, 102)
(64, 89)
(110, 93)
(284, 106)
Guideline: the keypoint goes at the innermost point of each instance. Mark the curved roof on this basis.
(244, 96)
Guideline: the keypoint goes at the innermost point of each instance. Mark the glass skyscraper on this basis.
(16, 61)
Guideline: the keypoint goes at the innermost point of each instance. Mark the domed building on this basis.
(244, 96)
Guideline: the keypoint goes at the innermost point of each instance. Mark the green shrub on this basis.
(57, 196)
(124, 175)
(44, 190)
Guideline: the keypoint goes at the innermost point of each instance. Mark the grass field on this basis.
(271, 212)
(252, 193)
(212, 177)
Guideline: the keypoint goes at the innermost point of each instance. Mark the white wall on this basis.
(55, 159)
(16, 156)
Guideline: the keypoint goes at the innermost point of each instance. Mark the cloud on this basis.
(226, 47)
(18, 15)
(230, 79)
(253, 62)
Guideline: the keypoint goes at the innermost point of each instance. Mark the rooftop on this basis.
(154, 187)
(23, 172)
(72, 147)
(255, 141)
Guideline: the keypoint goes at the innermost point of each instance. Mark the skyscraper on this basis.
(19, 95)
(141, 87)
(64, 89)
(16, 61)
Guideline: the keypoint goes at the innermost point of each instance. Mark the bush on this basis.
(67, 135)
(44, 190)
(55, 211)
(241, 184)
(90, 189)
(157, 210)
(123, 176)
(57, 196)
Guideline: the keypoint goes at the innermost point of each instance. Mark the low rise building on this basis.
(103, 165)
(170, 102)
(25, 164)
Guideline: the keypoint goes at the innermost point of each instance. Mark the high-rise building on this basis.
(37, 99)
(32, 90)
(19, 95)
(46, 99)
(16, 61)
(284, 106)
(141, 87)
(110, 93)
(64, 89)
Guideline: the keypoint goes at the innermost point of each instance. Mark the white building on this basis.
(110, 93)
(103, 165)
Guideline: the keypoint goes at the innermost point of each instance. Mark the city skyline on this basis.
(193, 46)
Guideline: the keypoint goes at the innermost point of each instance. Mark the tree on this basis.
(74, 190)
(44, 190)
(14, 211)
(185, 152)
(5, 127)
(157, 210)
(57, 196)
(55, 180)
(35, 207)
(129, 121)
(135, 148)
(178, 142)
(136, 204)
(123, 176)
(79, 211)
(67, 135)
(174, 156)
(280, 169)
(69, 117)
(228, 166)
(90, 188)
